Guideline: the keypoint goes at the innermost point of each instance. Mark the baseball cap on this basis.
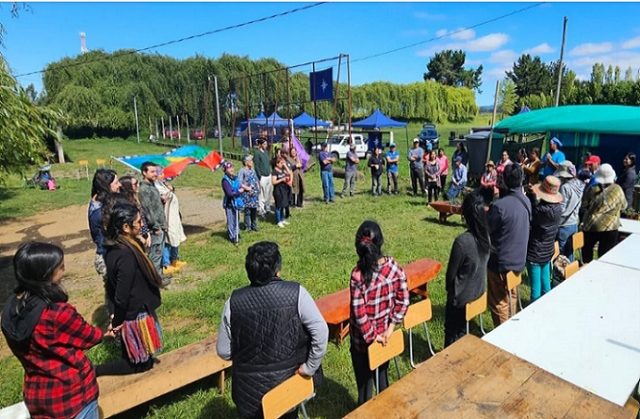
(593, 159)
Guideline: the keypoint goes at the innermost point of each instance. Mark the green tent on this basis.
(610, 119)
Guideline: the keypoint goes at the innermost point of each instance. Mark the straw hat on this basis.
(548, 190)
(490, 163)
(605, 174)
(566, 170)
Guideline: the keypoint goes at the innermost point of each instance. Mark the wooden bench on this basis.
(335, 308)
(176, 369)
(445, 209)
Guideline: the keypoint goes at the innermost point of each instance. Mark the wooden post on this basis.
(493, 121)
(564, 33)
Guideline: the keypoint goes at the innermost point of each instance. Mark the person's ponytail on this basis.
(369, 241)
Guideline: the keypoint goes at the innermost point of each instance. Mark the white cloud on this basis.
(622, 59)
(441, 32)
(496, 72)
(504, 56)
(428, 16)
(590, 48)
(489, 42)
(631, 43)
(540, 49)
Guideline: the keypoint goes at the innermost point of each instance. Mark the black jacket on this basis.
(626, 182)
(544, 228)
(127, 287)
(509, 220)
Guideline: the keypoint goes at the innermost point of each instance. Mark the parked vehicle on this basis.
(171, 133)
(429, 136)
(197, 134)
(339, 145)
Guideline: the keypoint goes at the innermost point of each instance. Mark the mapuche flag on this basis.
(321, 83)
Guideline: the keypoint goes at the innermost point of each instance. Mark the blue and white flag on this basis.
(321, 84)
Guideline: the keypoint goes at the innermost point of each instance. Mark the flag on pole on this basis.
(321, 83)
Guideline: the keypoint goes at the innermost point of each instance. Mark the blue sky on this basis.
(597, 32)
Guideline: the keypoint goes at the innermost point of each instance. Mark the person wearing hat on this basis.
(553, 158)
(458, 179)
(415, 156)
(489, 182)
(350, 171)
(232, 201)
(262, 165)
(392, 158)
(571, 189)
(592, 163)
(603, 204)
(250, 196)
(546, 210)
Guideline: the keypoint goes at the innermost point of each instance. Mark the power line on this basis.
(176, 41)
(380, 54)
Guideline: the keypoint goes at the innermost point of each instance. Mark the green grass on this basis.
(317, 250)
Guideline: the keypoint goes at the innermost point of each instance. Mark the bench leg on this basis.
(221, 382)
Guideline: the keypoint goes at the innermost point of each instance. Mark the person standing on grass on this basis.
(271, 330)
(281, 178)
(232, 201)
(153, 211)
(509, 222)
(603, 204)
(392, 158)
(134, 287)
(546, 205)
(49, 337)
(415, 157)
(251, 196)
(532, 167)
(571, 191)
(350, 171)
(461, 152)
(175, 230)
(262, 164)
(297, 187)
(489, 181)
(432, 175)
(467, 268)
(628, 179)
(379, 301)
(443, 163)
(376, 164)
(326, 173)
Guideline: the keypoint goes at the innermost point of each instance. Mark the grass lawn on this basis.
(318, 251)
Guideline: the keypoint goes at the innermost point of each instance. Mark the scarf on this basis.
(148, 270)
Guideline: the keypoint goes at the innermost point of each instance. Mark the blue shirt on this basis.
(351, 166)
(460, 174)
(418, 153)
(557, 157)
(392, 167)
(324, 155)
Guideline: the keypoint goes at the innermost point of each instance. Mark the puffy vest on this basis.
(268, 341)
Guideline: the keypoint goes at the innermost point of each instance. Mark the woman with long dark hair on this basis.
(104, 187)
(467, 268)
(49, 337)
(379, 301)
(133, 284)
(628, 179)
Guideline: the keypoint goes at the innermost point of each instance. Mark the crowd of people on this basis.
(272, 328)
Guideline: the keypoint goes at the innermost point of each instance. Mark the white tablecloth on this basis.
(626, 253)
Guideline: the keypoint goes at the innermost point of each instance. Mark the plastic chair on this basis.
(476, 308)
(286, 396)
(84, 164)
(101, 162)
(577, 241)
(418, 313)
(379, 354)
(513, 280)
(571, 269)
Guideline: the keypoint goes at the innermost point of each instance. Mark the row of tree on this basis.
(96, 90)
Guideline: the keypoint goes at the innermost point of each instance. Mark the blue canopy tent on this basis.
(269, 122)
(379, 120)
(304, 120)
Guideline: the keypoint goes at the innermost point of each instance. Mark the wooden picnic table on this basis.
(335, 307)
(475, 379)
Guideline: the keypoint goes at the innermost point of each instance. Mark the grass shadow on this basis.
(332, 401)
(193, 229)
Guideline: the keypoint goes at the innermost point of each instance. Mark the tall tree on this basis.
(628, 75)
(531, 76)
(447, 67)
(616, 74)
(507, 98)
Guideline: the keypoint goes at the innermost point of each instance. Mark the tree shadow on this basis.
(193, 229)
(448, 223)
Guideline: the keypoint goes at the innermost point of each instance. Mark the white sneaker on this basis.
(281, 224)
(285, 222)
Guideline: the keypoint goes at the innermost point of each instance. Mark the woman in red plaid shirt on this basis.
(379, 301)
(49, 337)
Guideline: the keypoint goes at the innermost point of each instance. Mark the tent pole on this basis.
(315, 107)
(335, 99)
(493, 121)
(246, 107)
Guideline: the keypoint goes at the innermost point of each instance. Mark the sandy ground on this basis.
(68, 228)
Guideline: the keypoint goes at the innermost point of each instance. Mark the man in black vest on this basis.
(271, 330)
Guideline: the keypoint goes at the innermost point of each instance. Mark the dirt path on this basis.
(68, 228)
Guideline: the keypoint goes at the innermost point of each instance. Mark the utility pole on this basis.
(135, 110)
(215, 81)
(206, 107)
(564, 34)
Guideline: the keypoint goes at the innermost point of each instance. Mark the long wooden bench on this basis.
(335, 307)
(174, 370)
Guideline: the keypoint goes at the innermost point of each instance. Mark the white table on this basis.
(585, 331)
(629, 226)
(626, 253)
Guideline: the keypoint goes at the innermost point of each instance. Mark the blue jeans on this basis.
(279, 215)
(327, 185)
(566, 245)
(539, 278)
(169, 254)
(90, 411)
(233, 227)
(455, 190)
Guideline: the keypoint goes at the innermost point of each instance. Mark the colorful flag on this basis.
(321, 83)
(176, 160)
(302, 153)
